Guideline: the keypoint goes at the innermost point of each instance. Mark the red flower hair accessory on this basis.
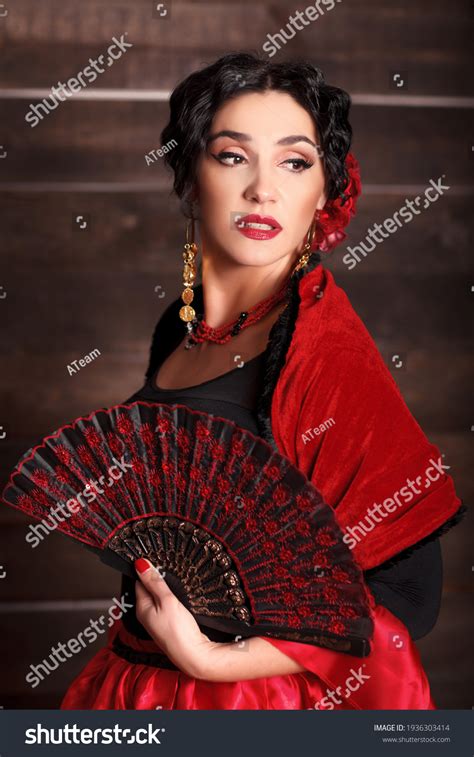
(336, 214)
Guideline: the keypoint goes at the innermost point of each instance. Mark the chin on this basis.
(255, 258)
(261, 252)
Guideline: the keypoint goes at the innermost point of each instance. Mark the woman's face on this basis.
(262, 159)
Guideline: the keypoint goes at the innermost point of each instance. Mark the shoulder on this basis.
(327, 314)
(333, 361)
(329, 335)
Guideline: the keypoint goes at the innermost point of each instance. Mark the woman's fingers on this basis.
(169, 623)
(152, 580)
(145, 600)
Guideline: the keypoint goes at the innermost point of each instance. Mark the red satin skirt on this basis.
(391, 677)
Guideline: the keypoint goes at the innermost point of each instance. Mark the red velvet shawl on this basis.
(338, 415)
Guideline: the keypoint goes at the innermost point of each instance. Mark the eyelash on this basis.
(304, 164)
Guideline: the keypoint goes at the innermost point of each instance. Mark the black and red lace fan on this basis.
(240, 535)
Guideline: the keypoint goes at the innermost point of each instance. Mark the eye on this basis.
(299, 164)
(224, 157)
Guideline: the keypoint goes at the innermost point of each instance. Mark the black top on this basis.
(232, 395)
(410, 588)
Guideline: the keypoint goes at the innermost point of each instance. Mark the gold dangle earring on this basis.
(306, 253)
(187, 312)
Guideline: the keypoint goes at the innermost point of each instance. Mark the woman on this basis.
(269, 341)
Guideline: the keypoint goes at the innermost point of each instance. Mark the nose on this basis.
(262, 188)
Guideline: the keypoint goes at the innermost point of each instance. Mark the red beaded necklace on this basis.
(200, 331)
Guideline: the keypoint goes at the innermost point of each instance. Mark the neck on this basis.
(230, 288)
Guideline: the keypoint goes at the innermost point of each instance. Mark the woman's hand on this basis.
(169, 622)
(173, 628)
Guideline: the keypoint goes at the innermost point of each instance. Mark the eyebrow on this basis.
(291, 140)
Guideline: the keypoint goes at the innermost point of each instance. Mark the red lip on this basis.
(258, 233)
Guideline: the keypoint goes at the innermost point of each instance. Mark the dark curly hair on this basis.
(197, 98)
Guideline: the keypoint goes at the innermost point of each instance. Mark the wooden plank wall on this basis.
(66, 291)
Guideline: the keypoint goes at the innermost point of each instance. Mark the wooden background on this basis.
(66, 292)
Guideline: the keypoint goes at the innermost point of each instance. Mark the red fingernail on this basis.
(142, 565)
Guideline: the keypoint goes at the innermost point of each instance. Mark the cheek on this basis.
(213, 186)
(303, 206)
(219, 197)
(306, 199)
(214, 206)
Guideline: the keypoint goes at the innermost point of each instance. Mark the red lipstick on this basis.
(257, 227)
